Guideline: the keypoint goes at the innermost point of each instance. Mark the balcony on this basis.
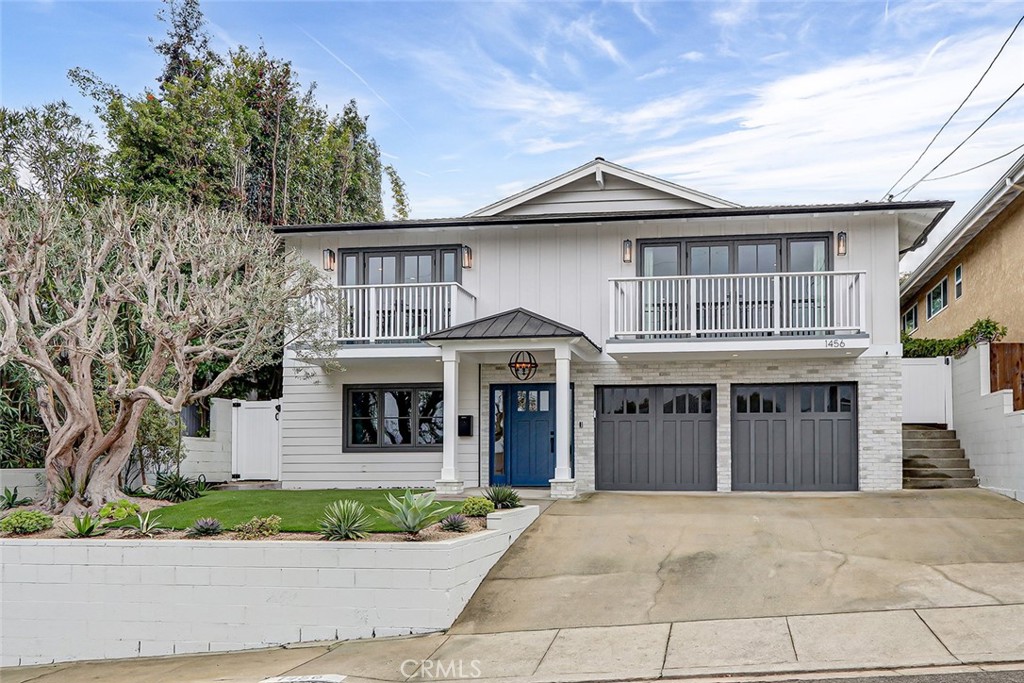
(719, 314)
(401, 313)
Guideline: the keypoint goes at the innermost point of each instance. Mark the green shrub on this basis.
(345, 520)
(982, 330)
(455, 523)
(119, 509)
(258, 527)
(85, 526)
(412, 512)
(503, 497)
(176, 488)
(205, 526)
(476, 506)
(10, 499)
(26, 522)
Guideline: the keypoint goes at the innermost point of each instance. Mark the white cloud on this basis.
(730, 14)
(583, 29)
(546, 144)
(656, 73)
(692, 56)
(640, 13)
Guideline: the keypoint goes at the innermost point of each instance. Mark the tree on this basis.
(197, 287)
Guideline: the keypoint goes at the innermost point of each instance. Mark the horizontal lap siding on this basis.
(312, 446)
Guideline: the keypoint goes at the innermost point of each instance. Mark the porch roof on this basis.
(517, 323)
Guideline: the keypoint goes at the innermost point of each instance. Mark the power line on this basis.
(956, 111)
(963, 142)
(974, 168)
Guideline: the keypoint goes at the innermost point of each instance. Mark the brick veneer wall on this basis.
(69, 600)
(879, 392)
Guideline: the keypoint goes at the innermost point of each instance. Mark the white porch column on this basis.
(449, 483)
(563, 485)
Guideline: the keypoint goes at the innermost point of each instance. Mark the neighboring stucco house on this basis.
(682, 342)
(976, 271)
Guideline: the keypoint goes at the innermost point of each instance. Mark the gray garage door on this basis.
(794, 437)
(656, 438)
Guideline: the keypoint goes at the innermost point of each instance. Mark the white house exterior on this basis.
(682, 343)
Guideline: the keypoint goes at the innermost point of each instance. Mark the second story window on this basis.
(400, 266)
(910, 320)
(938, 299)
(958, 281)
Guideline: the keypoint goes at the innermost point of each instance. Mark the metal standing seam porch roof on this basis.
(517, 323)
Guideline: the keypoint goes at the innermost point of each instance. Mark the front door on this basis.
(522, 434)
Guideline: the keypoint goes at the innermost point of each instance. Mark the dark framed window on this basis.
(938, 299)
(394, 417)
(910, 319)
(740, 254)
(958, 281)
(403, 265)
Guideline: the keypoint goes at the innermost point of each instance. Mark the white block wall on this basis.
(991, 433)
(30, 481)
(211, 456)
(69, 600)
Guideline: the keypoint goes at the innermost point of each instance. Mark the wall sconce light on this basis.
(841, 244)
(467, 258)
(627, 251)
(330, 260)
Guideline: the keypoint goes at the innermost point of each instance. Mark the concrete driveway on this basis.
(635, 559)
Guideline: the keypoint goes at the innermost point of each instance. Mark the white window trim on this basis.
(958, 281)
(927, 299)
(904, 320)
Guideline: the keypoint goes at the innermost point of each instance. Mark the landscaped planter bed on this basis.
(73, 599)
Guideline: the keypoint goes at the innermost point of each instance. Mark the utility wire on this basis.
(956, 111)
(974, 168)
(988, 118)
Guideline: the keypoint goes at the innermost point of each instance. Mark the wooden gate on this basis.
(1006, 370)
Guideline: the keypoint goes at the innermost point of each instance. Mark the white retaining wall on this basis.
(69, 600)
(29, 481)
(991, 433)
(211, 456)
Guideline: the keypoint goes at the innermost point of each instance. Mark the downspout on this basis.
(480, 425)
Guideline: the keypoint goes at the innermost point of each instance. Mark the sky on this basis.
(756, 102)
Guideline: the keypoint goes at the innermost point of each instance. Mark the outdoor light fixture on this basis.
(523, 365)
(627, 251)
(330, 260)
(841, 243)
(467, 257)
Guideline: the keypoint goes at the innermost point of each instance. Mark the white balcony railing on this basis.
(710, 306)
(401, 312)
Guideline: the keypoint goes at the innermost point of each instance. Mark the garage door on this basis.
(656, 438)
(794, 437)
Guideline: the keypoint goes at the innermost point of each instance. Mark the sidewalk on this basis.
(954, 638)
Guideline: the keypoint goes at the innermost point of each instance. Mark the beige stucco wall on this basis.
(993, 281)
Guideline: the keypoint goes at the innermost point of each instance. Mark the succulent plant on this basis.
(503, 497)
(205, 526)
(477, 506)
(345, 520)
(455, 523)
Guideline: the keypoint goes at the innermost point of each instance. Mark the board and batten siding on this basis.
(313, 453)
(586, 196)
(562, 271)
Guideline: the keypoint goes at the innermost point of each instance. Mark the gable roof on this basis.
(517, 323)
(599, 168)
(993, 203)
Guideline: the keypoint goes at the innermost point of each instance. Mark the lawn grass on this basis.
(298, 510)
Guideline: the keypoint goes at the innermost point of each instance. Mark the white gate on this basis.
(927, 390)
(256, 440)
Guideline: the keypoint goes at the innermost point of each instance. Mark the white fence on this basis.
(402, 312)
(739, 305)
(69, 600)
(927, 391)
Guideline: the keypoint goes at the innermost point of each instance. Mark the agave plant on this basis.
(345, 520)
(455, 523)
(205, 526)
(146, 525)
(85, 526)
(10, 499)
(503, 497)
(412, 512)
(176, 488)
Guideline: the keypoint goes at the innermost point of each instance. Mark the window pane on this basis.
(755, 401)
(755, 258)
(448, 267)
(833, 399)
(381, 270)
(645, 402)
(533, 402)
(693, 401)
(819, 399)
(349, 269)
(397, 417)
(805, 399)
(430, 403)
(807, 256)
(397, 403)
(364, 404)
(364, 432)
(741, 402)
(661, 260)
(846, 399)
(700, 260)
(705, 401)
(430, 431)
(719, 260)
(521, 401)
(498, 425)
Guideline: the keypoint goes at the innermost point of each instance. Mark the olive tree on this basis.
(123, 303)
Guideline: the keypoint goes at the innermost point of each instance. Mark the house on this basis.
(976, 271)
(606, 329)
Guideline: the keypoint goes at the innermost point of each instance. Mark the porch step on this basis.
(933, 459)
(248, 485)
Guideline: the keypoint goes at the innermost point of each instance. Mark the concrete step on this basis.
(238, 485)
(930, 433)
(931, 443)
(936, 463)
(930, 453)
(940, 483)
(935, 473)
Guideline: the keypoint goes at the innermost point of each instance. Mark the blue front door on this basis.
(523, 434)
